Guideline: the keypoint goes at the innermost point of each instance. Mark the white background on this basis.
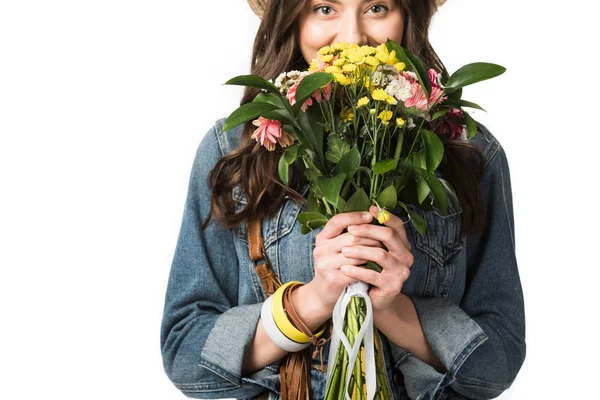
(102, 106)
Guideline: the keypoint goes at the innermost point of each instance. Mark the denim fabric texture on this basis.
(466, 291)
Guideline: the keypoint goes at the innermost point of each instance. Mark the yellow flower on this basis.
(324, 50)
(372, 60)
(314, 65)
(367, 50)
(383, 216)
(399, 122)
(332, 69)
(390, 100)
(340, 46)
(382, 48)
(339, 61)
(346, 115)
(400, 66)
(372, 111)
(356, 58)
(385, 115)
(326, 58)
(383, 57)
(362, 102)
(342, 79)
(379, 94)
(349, 68)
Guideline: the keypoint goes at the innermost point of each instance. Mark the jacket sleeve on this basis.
(481, 341)
(204, 331)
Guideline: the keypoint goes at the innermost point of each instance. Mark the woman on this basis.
(449, 303)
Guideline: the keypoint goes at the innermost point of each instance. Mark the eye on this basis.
(326, 9)
(377, 8)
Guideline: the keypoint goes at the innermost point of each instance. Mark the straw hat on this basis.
(258, 6)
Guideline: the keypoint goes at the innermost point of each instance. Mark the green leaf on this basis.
(359, 201)
(388, 198)
(336, 148)
(441, 112)
(311, 123)
(423, 189)
(473, 73)
(349, 163)
(283, 170)
(331, 187)
(471, 125)
(341, 203)
(462, 103)
(418, 222)
(307, 216)
(280, 115)
(451, 194)
(415, 219)
(373, 266)
(434, 150)
(439, 194)
(384, 166)
(310, 221)
(310, 84)
(245, 113)
(419, 161)
(414, 62)
(291, 153)
(314, 205)
(270, 98)
(253, 81)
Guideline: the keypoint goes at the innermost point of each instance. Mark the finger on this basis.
(362, 274)
(375, 254)
(394, 222)
(341, 259)
(347, 239)
(385, 234)
(339, 222)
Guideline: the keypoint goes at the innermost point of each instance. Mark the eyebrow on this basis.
(339, 2)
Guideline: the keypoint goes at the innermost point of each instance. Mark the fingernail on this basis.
(352, 228)
(345, 269)
(366, 216)
(347, 250)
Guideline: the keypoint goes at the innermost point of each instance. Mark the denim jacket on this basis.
(466, 291)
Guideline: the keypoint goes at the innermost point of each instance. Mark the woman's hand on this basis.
(395, 261)
(329, 282)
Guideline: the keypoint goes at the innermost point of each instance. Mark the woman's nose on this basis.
(351, 30)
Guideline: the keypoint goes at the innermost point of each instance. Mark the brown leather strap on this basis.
(319, 343)
(294, 370)
(269, 281)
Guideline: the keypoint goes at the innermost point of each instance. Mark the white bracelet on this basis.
(273, 331)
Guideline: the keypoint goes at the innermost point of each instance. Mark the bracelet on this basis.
(281, 319)
(297, 321)
(273, 331)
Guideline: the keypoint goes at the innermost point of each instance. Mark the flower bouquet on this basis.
(369, 125)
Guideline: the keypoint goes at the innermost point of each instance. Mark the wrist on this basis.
(309, 308)
(393, 315)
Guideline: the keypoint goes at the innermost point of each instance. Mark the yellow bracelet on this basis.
(282, 321)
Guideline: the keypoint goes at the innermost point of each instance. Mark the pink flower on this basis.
(269, 133)
(417, 97)
(291, 94)
(434, 77)
(452, 124)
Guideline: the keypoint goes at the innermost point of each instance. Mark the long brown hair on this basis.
(255, 169)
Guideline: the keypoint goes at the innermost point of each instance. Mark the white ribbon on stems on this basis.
(355, 289)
